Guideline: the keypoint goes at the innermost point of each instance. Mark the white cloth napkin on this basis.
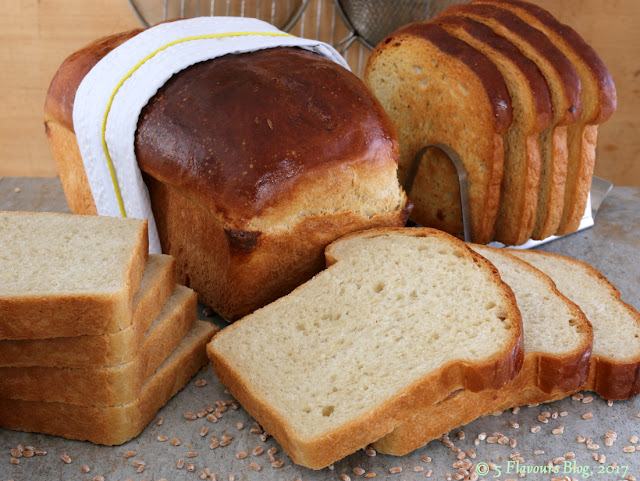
(122, 83)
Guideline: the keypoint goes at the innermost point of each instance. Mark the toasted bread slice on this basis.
(438, 89)
(564, 84)
(598, 99)
(158, 282)
(355, 351)
(68, 275)
(615, 361)
(112, 425)
(532, 114)
(557, 342)
(111, 385)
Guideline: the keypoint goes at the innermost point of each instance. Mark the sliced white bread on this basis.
(112, 425)
(564, 84)
(557, 343)
(598, 100)
(532, 114)
(158, 282)
(68, 275)
(615, 360)
(358, 349)
(438, 89)
(112, 385)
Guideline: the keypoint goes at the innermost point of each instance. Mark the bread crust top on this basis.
(484, 68)
(539, 42)
(606, 87)
(257, 133)
(537, 83)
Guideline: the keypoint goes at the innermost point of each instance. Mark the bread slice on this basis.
(68, 275)
(113, 425)
(158, 282)
(438, 89)
(557, 343)
(532, 114)
(112, 385)
(565, 88)
(355, 351)
(615, 361)
(598, 100)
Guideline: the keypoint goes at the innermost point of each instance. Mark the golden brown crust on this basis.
(91, 351)
(544, 377)
(538, 41)
(536, 81)
(110, 425)
(606, 88)
(43, 316)
(103, 386)
(483, 67)
(329, 447)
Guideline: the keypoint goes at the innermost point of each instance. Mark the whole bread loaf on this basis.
(254, 163)
(367, 343)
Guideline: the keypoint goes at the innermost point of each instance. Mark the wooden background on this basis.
(36, 36)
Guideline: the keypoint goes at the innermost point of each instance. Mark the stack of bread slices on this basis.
(518, 95)
(410, 333)
(95, 336)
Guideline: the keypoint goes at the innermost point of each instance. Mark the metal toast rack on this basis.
(599, 190)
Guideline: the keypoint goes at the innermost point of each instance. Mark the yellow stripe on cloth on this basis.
(114, 178)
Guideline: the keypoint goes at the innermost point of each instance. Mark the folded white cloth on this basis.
(112, 95)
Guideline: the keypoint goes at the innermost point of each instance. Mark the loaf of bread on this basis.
(65, 275)
(432, 85)
(106, 385)
(254, 163)
(615, 360)
(112, 425)
(158, 282)
(365, 344)
(557, 343)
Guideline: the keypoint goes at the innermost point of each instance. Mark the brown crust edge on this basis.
(538, 41)
(611, 380)
(600, 72)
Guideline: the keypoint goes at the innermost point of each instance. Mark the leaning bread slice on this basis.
(112, 385)
(565, 88)
(557, 344)
(68, 275)
(598, 100)
(355, 351)
(112, 425)
(615, 361)
(532, 114)
(158, 282)
(440, 90)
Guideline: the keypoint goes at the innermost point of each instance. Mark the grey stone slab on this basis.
(612, 246)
